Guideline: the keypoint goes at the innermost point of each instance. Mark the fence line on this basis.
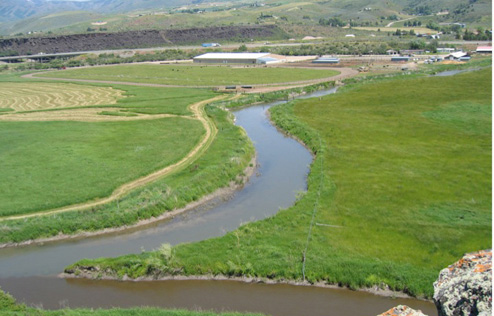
(316, 202)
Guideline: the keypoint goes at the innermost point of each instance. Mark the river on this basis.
(30, 273)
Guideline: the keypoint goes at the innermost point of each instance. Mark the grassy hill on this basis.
(362, 13)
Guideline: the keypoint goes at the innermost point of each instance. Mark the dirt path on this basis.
(199, 113)
(343, 72)
(211, 131)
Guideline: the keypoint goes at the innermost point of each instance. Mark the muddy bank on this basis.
(138, 39)
(222, 193)
(95, 274)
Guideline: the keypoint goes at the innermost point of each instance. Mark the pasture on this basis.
(41, 96)
(192, 75)
(67, 149)
(52, 164)
(400, 188)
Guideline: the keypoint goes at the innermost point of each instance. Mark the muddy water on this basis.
(272, 299)
(29, 273)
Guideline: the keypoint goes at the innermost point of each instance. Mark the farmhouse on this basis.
(238, 58)
(484, 49)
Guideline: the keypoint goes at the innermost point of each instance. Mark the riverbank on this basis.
(221, 194)
(356, 206)
(227, 160)
(375, 290)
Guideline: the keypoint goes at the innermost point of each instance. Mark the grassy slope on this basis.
(402, 170)
(193, 75)
(8, 306)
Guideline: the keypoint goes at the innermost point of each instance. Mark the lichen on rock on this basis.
(402, 310)
(465, 287)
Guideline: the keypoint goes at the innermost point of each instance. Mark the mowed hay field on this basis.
(191, 75)
(400, 188)
(50, 164)
(40, 96)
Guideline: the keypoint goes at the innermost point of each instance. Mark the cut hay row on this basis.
(82, 115)
(40, 96)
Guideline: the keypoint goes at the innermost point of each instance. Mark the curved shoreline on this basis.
(376, 290)
(244, 279)
(224, 192)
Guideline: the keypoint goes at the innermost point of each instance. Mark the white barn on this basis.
(237, 58)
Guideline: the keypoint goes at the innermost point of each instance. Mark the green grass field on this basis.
(193, 75)
(53, 164)
(56, 163)
(226, 158)
(402, 172)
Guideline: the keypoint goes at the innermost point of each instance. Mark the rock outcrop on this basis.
(402, 310)
(465, 287)
(137, 39)
(462, 289)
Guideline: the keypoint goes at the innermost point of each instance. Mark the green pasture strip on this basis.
(255, 98)
(226, 158)
(9, 307)
(397, 189)
(193, 75)
(150, 100)
(52, 164)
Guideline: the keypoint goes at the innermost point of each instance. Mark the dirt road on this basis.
(199, 113)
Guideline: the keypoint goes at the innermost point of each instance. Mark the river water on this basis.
(29, 273)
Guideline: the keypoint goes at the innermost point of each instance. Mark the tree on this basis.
(242, 48)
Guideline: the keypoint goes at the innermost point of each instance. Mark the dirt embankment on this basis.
(135, 39)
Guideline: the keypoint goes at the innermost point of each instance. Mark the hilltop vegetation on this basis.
(152, 15)
(400, 187)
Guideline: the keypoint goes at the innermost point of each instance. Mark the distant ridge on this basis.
(13, 10)
(136, 39)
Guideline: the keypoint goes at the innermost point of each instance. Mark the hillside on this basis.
(132, 39)
(97, 16)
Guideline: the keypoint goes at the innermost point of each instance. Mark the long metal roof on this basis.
(232, 55)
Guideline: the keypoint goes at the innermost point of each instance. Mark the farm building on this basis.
(400, 58)
(445, 50)
(211, 45)
(412, 52)
(484, 49)
(326, 60)
(458, 56)
(238, 58)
